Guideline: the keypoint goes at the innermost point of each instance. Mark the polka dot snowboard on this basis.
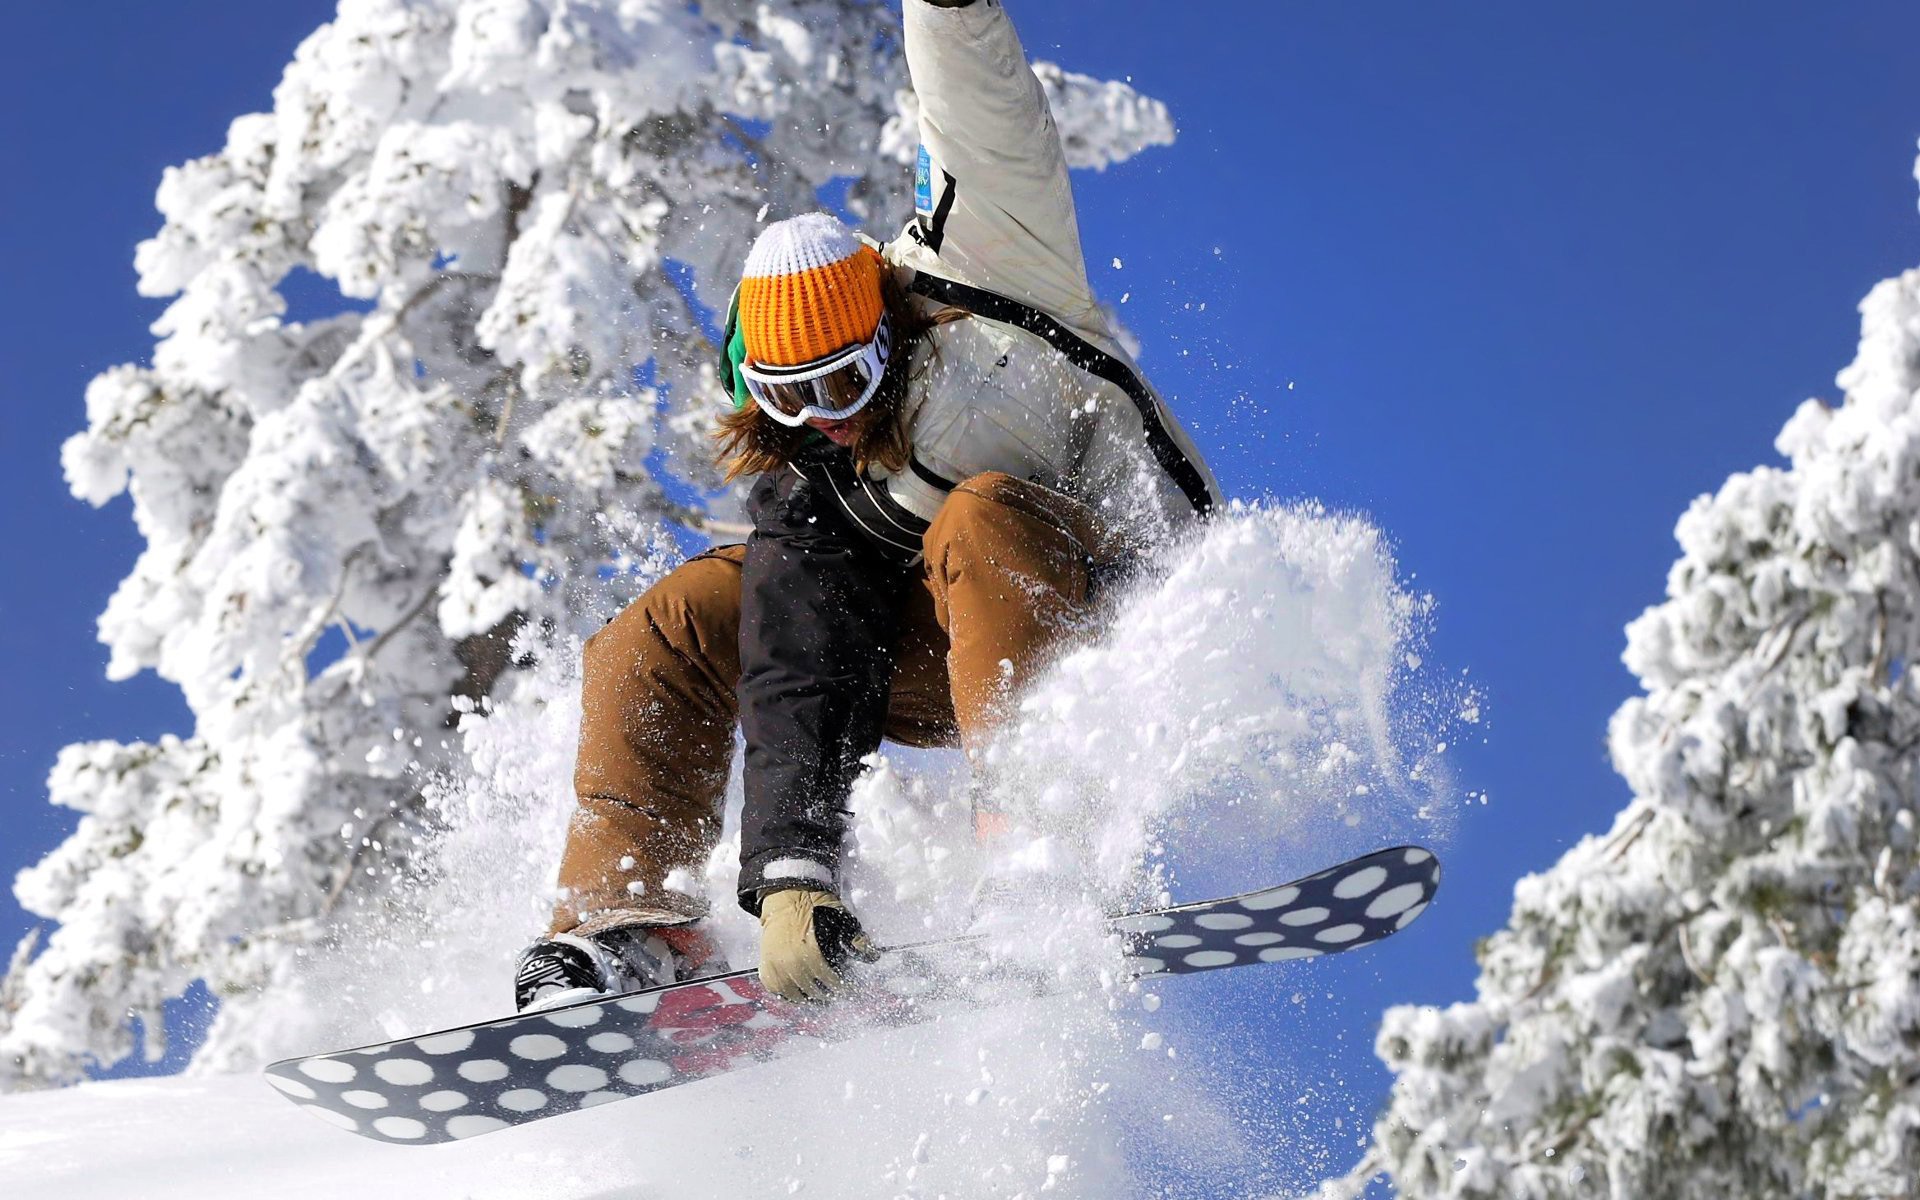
(464, 1082)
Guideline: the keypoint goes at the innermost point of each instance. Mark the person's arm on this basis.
(992, 198)
(818, 609)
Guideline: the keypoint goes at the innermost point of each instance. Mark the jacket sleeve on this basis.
(818, 609)
(991, 196)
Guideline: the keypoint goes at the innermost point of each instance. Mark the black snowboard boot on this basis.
(566, 968)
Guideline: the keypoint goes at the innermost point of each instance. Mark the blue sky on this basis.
(1537, 274)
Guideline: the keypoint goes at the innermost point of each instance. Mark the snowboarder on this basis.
(952, 451)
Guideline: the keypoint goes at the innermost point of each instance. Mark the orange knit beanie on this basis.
(810, 288)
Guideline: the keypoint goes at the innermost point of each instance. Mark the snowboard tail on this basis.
(475, 1079)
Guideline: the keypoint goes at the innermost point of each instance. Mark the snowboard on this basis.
(463, 1082)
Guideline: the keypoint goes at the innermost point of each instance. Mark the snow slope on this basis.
(217, 1136)
(1250, 714)
(962, 1110)
(233, 1136)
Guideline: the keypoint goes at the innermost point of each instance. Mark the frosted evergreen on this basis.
(349, 517)
(1721, 996)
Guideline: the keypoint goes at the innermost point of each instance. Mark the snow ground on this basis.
(1246, 713)
(824, 1122)
(228, 1135)
(233, 1135)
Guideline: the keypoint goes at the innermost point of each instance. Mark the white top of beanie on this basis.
(797, 244)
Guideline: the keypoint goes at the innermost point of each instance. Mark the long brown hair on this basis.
(750, 442)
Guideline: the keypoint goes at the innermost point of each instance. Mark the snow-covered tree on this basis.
(524, 206)
(1721, 996)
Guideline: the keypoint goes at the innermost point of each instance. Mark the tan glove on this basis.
(806, 940)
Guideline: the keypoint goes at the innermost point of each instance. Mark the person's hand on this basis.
(806, 940)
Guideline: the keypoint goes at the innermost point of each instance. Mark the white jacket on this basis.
(1034, 384)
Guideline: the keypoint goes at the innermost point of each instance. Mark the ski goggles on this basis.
(828, 389)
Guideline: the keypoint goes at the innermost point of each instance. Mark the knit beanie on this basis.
(810, 288)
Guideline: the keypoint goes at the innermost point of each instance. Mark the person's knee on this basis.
(696, 605)
(995, 487)
(612, 649)
(994, 506)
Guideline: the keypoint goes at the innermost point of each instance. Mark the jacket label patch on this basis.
(923, 182)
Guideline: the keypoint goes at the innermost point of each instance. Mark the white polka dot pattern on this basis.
(1223, 920)
(483, 1070)
(1351, 905)
(645, 1072)
(1360, 883)
(446, 1043)
(327, 1070)
(1397, 901)
(574, 1077)
(1279, 897)
(1285, 953)
(1204, 959)
(466, 1082)
(544, 1064)
(472, 1126)
(409, 1072)
(537, 1046)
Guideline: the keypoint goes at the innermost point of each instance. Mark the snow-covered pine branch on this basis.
(1721, 996)
(348, 516)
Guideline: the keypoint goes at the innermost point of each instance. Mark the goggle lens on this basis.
(831, 389)
(844, 391)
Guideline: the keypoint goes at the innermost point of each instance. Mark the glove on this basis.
(806, 940)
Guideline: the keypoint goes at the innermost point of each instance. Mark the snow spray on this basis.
(1245, 713)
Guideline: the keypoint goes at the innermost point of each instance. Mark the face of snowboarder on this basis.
(840, 433)
(825, 392)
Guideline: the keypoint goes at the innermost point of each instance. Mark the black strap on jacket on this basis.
(927, 476)
(890, 527)
(932, 232)
(896, 531)
(1089, 358)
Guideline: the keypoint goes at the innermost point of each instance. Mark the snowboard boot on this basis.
(568, 968)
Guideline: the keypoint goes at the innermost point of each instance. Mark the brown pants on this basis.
(1004, 582)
